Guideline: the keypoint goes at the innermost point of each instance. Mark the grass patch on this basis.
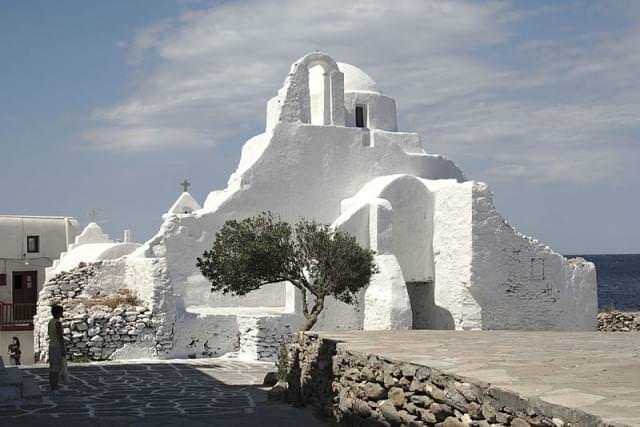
(121, 297)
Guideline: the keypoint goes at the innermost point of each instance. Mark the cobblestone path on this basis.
(156, 393)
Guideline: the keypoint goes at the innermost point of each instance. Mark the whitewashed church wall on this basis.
(453, 305)
(196, 291)
(197, 334)
(521, 283)
(304, 171)
(380, 110)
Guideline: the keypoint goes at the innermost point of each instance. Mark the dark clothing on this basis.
(14, 353)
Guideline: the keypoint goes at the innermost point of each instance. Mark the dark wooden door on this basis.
(25, 294)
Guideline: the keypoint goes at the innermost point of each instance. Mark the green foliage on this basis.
(260, 250)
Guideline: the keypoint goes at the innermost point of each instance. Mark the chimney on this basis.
(127, 236)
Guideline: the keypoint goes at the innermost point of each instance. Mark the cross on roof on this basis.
(92, 215)
(185, 185)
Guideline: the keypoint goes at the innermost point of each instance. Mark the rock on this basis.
(389, 412)
(404, 383)
(468, 391)
(411, 408)
(361, 408)
(420, 400)
(375, 391)
(81, 326)
(519, 422)
(396, 396)
(441, 410)
(406, 417)
(466, 420)
(389, 380)
(474, 410)
(416, 385)
(270, 379)
(452, 422)
(345, 404)
(489, 412)
(436, 393)
(427, 416)
(503, 418)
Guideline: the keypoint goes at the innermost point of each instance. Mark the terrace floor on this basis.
(200, 392)
(598, 373)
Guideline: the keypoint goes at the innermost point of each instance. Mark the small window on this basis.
(361, 114)
(33, 244)
(3, 280)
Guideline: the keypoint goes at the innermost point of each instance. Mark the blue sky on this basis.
(109, 105)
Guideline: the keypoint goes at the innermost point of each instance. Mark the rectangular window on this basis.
(33, 244)
(361, 116)
(3, 280)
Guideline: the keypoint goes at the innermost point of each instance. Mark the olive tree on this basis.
(315, 258)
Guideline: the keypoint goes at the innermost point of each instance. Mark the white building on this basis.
(91, 245)
(332, 151)
(28, 245)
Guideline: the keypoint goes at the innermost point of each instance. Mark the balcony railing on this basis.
(19, 316)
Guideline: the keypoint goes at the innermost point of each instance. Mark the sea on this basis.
(618, 280)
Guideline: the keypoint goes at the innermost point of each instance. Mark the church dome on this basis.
(356, 80)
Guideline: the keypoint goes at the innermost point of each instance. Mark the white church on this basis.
(332, 151)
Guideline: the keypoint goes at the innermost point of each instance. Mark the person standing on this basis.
(56, 347)
(14, 351)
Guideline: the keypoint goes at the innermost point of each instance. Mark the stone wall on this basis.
(260, 337)
(361, 389)
(94, 325)
(619, 321)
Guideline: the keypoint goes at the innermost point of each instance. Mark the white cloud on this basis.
(461, 73)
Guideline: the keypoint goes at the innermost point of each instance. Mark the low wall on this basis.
(93, 331)
(619, 321)
(365, 389)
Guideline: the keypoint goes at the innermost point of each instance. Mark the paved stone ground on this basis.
(198, 392)
(598, 373)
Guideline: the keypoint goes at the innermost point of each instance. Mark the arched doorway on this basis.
(412, 238)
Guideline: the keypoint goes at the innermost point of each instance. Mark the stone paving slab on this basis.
(598, 373)
(214, 392)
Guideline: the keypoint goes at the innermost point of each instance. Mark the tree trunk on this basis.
(312, 318)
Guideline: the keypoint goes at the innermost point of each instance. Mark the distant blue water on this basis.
(618, 280)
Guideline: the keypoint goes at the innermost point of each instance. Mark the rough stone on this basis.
(389, 412)
(397, 397)
(375, 391)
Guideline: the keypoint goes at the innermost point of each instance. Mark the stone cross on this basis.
(185, 185)
(92, 215)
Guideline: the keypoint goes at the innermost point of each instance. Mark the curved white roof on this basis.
(356, 80)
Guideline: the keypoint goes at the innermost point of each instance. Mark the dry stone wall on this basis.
(367, 390)
(619, 321)
(91, 329)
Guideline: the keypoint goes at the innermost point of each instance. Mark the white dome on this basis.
(356, 80)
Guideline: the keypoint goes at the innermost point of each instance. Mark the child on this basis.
(14, 351)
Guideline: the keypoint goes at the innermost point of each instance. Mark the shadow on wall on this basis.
(426, 314)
